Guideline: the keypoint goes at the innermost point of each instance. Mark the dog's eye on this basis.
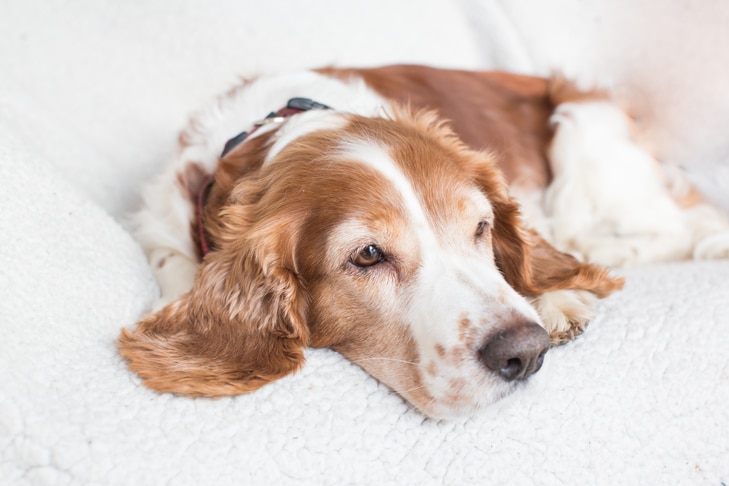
(481, 228)
(368, 256)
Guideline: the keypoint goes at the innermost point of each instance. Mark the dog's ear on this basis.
(543, 268)
(530, 264)
(240, 327)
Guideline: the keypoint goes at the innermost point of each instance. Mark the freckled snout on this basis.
(517, 351)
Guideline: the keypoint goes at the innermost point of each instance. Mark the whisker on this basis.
(412, 389)
(395, 360)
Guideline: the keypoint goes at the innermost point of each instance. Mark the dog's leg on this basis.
(175, 274)
(163, 229)
(708, 225)
(711, 232)
(608, 202)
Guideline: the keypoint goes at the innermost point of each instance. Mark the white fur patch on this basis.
(607, 201)
(376, 157)
(301, 125)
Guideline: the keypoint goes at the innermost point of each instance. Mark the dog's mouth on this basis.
(459, 387)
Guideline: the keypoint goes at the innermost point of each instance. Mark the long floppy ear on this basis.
(530, 264)
(239, 328)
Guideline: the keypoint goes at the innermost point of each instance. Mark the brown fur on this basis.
(242, 326)
(276, 282)
(504, 113)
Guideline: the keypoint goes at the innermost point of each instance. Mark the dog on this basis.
(439, 228)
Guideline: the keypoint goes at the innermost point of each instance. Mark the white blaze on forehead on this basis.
(377, 157)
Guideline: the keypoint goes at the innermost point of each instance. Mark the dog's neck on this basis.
(293, 107)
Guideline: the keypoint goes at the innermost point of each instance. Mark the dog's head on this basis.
(385, 239)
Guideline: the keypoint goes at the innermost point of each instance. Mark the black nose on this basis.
(517, 351)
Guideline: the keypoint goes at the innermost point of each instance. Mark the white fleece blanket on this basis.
(91, 97)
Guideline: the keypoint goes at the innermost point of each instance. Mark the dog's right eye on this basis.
(368, 256)
(481, 228)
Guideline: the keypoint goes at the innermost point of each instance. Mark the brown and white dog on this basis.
(410, 228)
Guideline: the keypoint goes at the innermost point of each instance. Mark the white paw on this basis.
(713, 247)
(614, 252)
(175, 274)
(637, 249)
(565, 313)
(161, 303)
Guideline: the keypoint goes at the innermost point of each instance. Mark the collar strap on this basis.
(293, 107)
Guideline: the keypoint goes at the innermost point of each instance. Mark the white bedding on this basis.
(91, 97)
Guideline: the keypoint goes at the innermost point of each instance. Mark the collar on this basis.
(293, 107)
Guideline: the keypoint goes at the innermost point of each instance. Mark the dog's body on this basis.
(376, 230)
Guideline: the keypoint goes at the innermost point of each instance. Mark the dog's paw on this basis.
(638, 249)
(614, 253)
(713, 247)
(565, 313)
(175, 274)
(161, 303)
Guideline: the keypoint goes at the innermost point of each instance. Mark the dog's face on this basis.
(397, 255)
(384, 239)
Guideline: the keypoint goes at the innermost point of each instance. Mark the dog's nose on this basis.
(516, 352)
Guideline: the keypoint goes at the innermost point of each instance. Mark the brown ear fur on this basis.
(529, 264)
(239, 328)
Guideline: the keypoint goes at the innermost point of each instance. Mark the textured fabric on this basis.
(91, 97)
